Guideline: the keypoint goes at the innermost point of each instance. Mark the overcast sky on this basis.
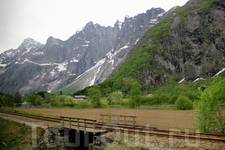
(39, 19)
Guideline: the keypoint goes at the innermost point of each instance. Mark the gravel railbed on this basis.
(155, 142)
(111, 139)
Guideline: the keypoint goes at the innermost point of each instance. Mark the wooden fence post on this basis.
(63, 123)
(94, 127)
(84, 126)
(70, 123)
(77, 125)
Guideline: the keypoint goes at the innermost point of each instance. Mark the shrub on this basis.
(155, 99)
(145, 100)
(173, 99)
(164, 99)
(82, 105)
(183, 103)
(209, 117)
(191, 95)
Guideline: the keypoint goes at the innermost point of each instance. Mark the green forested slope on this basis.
(188, 43)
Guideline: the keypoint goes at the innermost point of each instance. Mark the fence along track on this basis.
(130, 129)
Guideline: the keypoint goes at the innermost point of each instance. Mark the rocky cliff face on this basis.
(189, 43)
(130, 31)
(48, 67)
(36, 67)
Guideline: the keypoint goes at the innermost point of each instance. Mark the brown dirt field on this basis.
(161, 119)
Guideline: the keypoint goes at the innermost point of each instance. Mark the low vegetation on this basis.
(14, 136)
(206, 102)
(204, 97)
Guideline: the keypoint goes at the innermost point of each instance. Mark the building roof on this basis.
(80, 96)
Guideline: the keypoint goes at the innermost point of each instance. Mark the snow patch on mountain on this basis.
(136, 41)
(181, 80)
(219, 72)
(161, 15)
(9, 54)
(62, 66)
(120, 25)
(3, 65)
(85, 45)
(153, 21)
(92, 82)
(74, 60)
(198, 79)
(94, 67)
(52, 85)
(38, 53)
(36, 77)
(111, 53)
(125, 47)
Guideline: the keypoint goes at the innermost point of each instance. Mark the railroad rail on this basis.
(128, 129)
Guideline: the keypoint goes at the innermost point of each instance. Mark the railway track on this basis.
(130, 129)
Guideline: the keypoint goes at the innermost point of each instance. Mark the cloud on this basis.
(39, 19)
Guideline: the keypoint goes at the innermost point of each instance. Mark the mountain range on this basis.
(187, 44)
(88, 57)
(154, 47)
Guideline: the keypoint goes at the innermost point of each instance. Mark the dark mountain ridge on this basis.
(37, 67)
(188, 43)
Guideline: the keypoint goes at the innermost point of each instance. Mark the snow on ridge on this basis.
(219, 72)
(197, 80)
(120, 25)
(99, 63)
(92, 82)
(38, 53)
(182, 80)
(53, 72)
(52, 85)
(74, 60)
(26, 60)
(62, 66)
(111, 61)
(125, 47)
(136, 41)
(85, 45)
(3, 65)
(111, 53)
(153, 21)
(36, 77)
(78, 30)
(161, 15)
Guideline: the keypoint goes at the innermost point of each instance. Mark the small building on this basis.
(80, 97)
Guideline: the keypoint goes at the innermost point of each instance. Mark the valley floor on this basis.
(161, 119)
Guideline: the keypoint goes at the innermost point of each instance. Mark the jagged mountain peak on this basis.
(188, 43)
(57, 63)
(90, 23)
(28, 42)
(52, 41)
(195, 2)
(126, 34)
